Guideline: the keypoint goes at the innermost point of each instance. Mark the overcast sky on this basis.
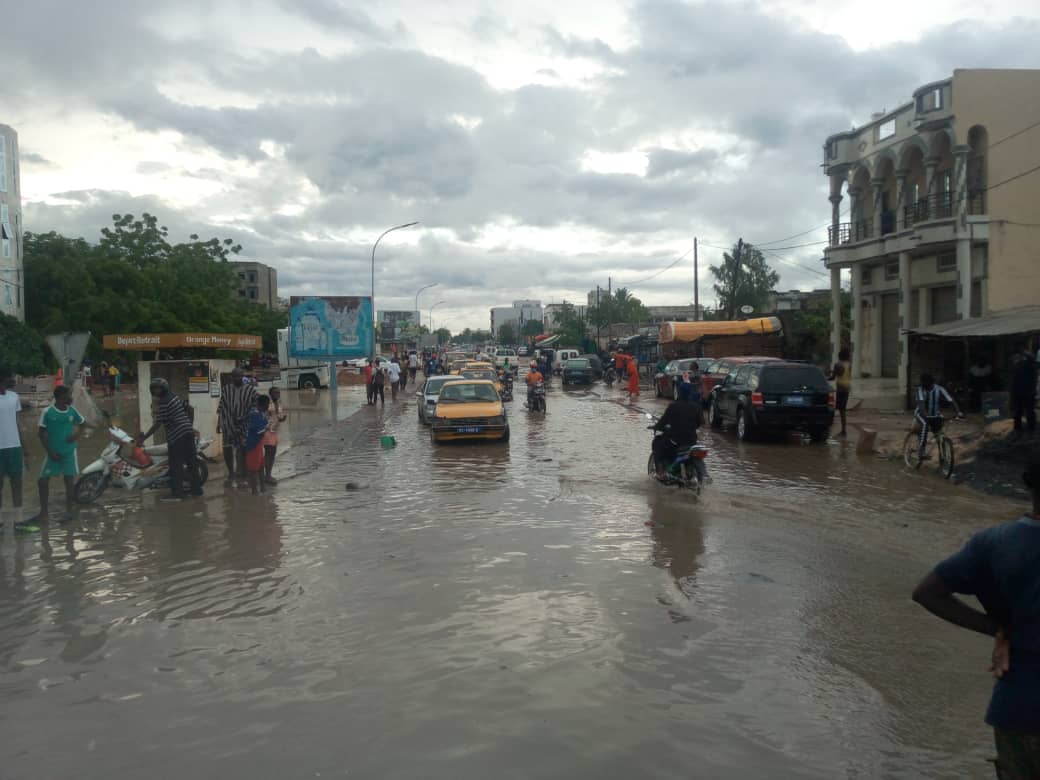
(545, 146)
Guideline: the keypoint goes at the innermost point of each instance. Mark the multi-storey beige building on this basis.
(257, 283)
(12, 274)
(936, 212)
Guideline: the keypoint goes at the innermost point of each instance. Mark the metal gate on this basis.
(944, 304)
(890, 335)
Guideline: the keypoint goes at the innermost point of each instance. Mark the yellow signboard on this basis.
(147, 342)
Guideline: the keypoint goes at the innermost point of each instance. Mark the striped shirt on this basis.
(172, 412)
(930, 399)
(236, 402)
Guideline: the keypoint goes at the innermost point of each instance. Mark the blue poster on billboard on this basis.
(330, 328)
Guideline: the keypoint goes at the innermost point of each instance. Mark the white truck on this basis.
(299, 373)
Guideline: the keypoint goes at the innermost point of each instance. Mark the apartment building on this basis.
(935, 208)
(12, 270)
(551, 314)
(517, 315)
(257, 283)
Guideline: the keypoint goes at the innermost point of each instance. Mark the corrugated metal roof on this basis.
(1025, 319)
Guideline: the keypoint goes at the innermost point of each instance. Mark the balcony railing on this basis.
(940, 205)
(850, 232)
(915, 212)
(976, 202)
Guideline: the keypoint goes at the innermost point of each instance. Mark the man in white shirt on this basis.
(413, 366)
(12, 453)
(394, 370)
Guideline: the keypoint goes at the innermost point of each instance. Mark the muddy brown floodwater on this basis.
(539, 609)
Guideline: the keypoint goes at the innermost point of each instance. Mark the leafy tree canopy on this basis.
(743, 279)
(22, 350)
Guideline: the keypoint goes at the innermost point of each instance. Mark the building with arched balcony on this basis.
(935, 212)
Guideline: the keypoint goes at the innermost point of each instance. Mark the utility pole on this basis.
(732, 308)
(610, 306)
(599, 319)
(696, 285)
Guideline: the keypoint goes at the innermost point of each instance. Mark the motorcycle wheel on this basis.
(90, 487)
(651, 469)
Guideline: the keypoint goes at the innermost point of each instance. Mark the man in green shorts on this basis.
(59, 429)
(12, 454)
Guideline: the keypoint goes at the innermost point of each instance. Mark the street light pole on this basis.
(427, 287)
(372, 352)
(431, 316)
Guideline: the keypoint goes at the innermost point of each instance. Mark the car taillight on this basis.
(756, 399)
(832, 400)
(700, 454)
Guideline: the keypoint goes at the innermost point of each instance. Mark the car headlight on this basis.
(499, 420)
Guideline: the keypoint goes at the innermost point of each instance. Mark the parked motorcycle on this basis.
(687, 470)
(117, 466)
(536, 400)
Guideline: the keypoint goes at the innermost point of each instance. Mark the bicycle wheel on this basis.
(912, 450)
(946, 457)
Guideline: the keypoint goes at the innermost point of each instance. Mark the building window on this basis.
(930, 101)
(252, 277)
(242, 275)
(252, 293)
(241, 293)
(891, 270)
(886, 129)
(6, 234)
(946, 262)
(3, 164)
(866, 275)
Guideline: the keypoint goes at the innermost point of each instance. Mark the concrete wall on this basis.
(1005, 102)
(12, 276)
(260, 284)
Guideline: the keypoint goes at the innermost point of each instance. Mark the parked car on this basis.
(596, 363)
(469, 409)
(578, 371)
(523, 351)
(715, 371)
(428, 394)
(775, 396)
(505, 352)
(666, 383)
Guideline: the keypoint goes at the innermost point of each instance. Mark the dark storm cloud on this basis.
(387, 133)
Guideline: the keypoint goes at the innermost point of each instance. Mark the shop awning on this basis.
(547, 341)
(1025, 319)
(692, 331)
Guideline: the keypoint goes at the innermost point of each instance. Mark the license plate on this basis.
(795, 400)
(469, 429)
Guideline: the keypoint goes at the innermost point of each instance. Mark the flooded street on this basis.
(539, 609)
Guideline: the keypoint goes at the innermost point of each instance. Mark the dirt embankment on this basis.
(989, 457)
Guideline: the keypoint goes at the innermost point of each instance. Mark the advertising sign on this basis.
(397, 325)
(149, 341)
(330, 328)
(198, 377)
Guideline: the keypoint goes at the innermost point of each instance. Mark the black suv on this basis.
(775, 396)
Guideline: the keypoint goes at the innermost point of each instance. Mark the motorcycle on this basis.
(120, 465)
(687, 470)
(506, 379)
(609, 374)
(536, 400)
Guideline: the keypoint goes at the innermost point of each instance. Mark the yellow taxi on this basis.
(469, 409)
(455, 366)
(481, 371)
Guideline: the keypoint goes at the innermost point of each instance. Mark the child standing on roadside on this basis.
(274, 416)
(59, 429)
(257, 427)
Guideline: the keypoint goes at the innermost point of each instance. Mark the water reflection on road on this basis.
(540, 607)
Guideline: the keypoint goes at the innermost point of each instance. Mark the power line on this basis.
(655, 275)
(1012, 178)
(781, 258)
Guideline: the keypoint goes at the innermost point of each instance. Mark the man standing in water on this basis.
(841, 375)
(237, 399)
(1000, 566)
(12, 454)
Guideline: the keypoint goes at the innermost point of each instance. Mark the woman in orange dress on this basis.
(633, 379)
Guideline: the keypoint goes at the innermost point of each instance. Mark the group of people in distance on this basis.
(397, 373)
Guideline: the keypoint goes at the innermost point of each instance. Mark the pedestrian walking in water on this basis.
(12, 453)
(378, 383)
(175, 418)
(237, 400)
(394, 372)
(1000, 566)
(369, 370)
(841, 375)
(255, 454)
(1023, 392)
(59, 429)
(413, 366)
(274, 419)
(633, 380)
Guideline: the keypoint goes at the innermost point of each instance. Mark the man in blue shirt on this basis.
(1000, 566)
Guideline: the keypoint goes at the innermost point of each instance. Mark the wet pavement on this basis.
(539, 609)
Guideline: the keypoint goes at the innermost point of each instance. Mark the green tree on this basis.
(619, 307)
(810, 337)
(21, 348)
(532, 328)
(443, 335)
(569, 325)
(743, 279)
(506, 333)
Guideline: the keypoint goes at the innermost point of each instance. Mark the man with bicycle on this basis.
(928, 412)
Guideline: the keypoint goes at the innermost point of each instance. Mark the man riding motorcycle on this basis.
(679, 425)
(534, 376)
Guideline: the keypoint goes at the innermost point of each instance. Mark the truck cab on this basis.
(299, 373)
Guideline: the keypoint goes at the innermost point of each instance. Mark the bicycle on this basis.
(938, 441)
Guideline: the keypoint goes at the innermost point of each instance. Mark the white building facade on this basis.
(517, 315)
(12, 271)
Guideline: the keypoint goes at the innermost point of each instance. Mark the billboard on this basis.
(397, 325)
(330, 328)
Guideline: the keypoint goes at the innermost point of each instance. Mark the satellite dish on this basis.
(746, 309)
